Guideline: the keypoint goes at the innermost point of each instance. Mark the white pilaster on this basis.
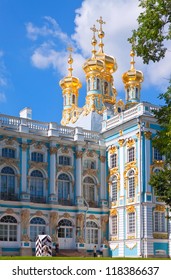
(79, 174)
(24, 169)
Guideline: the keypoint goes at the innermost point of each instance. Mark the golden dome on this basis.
(132, 76)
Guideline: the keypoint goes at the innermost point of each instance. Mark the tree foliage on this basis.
(154, 29)
(161, 181)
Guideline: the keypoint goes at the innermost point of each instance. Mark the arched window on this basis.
(8, 228)
(131, 184)
(91, 233)
(131, 154)
(37, 227)
(38, 157)
(89, 190)
(63, 189)
(8, 153)
(65, 229)
(114, 188)
(7, 183)
(36, 187)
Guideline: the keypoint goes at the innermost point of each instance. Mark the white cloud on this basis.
(120, 17)
(2, 97)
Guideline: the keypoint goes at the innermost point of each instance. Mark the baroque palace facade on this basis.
(85, 182)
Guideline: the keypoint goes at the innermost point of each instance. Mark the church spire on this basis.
(70, 89)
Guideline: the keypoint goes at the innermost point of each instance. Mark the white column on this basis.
(24, 169)
(103, 191)
(79, 172)
(147, 160)
(121, 164)
(53, 151)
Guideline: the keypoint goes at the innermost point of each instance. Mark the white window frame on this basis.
(131, 223)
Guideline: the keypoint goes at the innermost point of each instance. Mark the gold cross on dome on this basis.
(101, 22)
(70, 49)
(94, 29)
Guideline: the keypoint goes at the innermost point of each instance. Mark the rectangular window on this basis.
(90, 164)
(63, 160)
(131, 189)
(38, 157)
(114, 225)
(131, 222)
(114, 191)
(113, 160)
(131, 154)
(159, 222)
(156, 154)
(9, 153)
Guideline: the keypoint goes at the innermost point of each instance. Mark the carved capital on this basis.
(130, 209)
(53, 150)
(121, 142)
(79, 154)
(102, 158)
(147, 134)
(24, 146)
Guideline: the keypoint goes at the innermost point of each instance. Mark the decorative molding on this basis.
(24, 146)
(89, 171)
(79, 154)
(130, 143)
(102, 158)
(131, 237)
(160, 208)
(131, 245)
(148, 134)
(65, 168)
(53, 150)
(113, 212)
(121, 142)
(35, 164)
(92, 217)
(104, 220)
(9, 161)
(138, 134)
(65, 150)
(66, 215)
(130, 209)
(53, 219)
(25, 217)
(38, 213)
(113, 171)
(25, 237)
(160, 235)
(9, 211)
(113, 150)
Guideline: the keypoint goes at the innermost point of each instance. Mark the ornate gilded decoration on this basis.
(66, 215)
(89, 171)
(79, 154)
(130, 142)
(53, 219)
(160, 208)
(65, 168)
(120, 132)
(138, 134)
(102, 158)
(40, 165)
(113, 212)
(65, 150)
(121, 142)
(39, 213)
(53, 150)
(9, 161)
(157, 164)
(24, 146)
(130, 209)
(25, 237)
(9, 211)
(148, 134)
(128, 167)
(131, 237)
(131, 246)
(25, 216)
(113, 150)
(114, 238)
(113, 171)
(80, 220)
(104, 221)
(160, 235)
(92, 217)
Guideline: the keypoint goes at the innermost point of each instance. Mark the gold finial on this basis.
(94, 41)
(70, 61)
(132, 54)
(101, 34)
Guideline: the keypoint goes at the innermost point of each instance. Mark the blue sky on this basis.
(34, 36)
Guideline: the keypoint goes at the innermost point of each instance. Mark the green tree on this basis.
(154, 29)
(161, 181)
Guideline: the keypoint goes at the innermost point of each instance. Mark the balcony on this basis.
(37, 199)
(67, 202)
(10, 196)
